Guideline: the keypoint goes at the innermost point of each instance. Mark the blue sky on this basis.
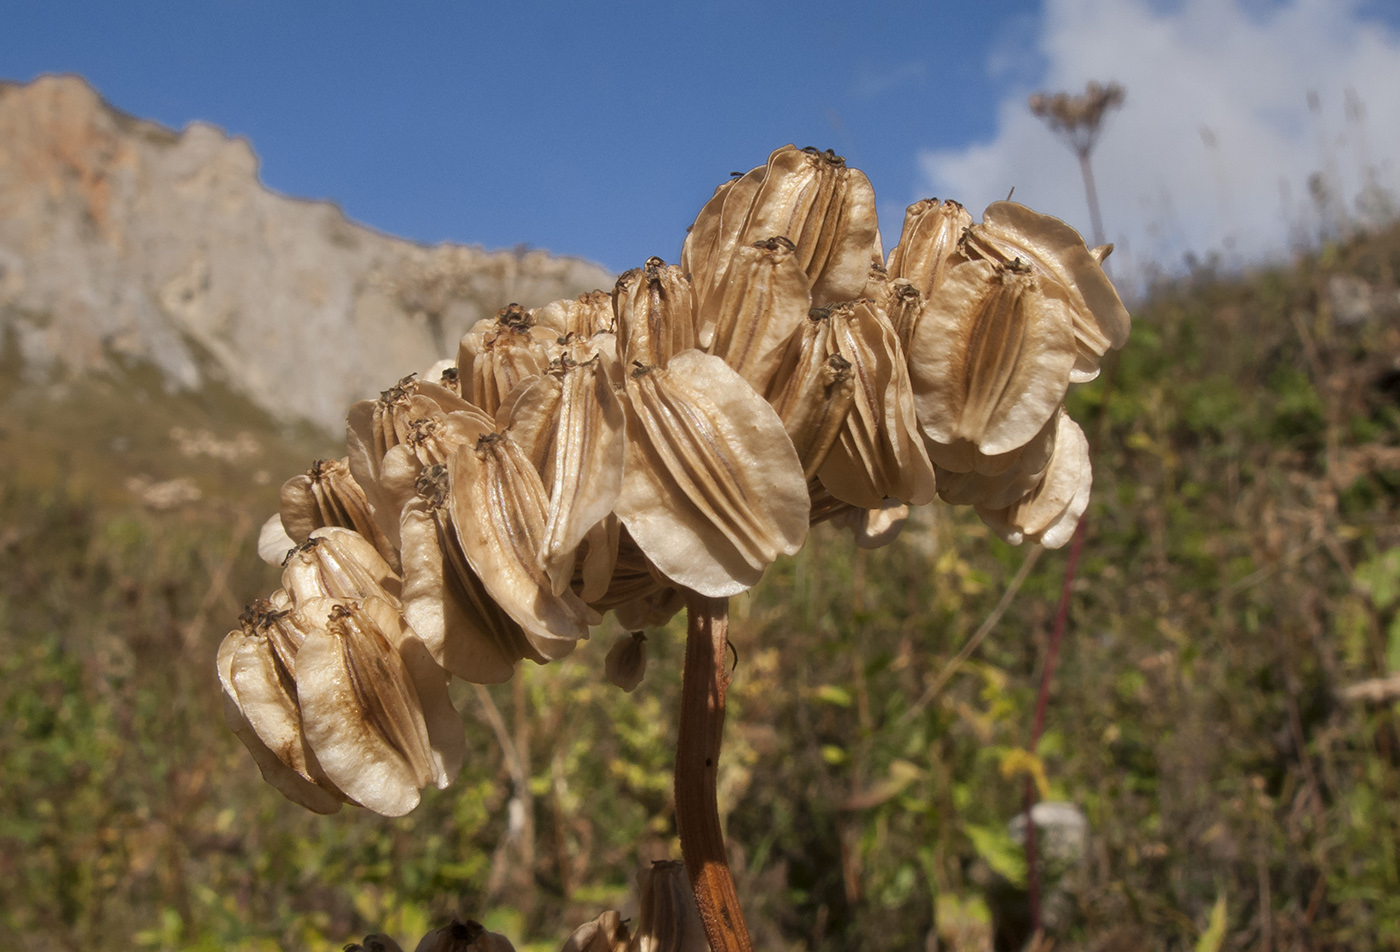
(598, 129)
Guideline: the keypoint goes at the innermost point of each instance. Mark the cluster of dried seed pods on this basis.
(621, 450)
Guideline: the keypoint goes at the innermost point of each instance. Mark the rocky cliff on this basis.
(122, 240)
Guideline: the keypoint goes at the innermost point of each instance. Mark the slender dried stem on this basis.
(703, 688)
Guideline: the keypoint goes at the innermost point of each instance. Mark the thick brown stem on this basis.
(703, 688)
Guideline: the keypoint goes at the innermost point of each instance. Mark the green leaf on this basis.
(1214, 937)
(999, 851)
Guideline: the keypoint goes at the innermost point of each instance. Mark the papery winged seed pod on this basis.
(878, 452)
(498, 353)
(1050, 511)
(1010, 232)
(374, 706)
(655, 314)
(445, 601)
(500, 507)
(328, 495)
(990, 360)
(826, 210)
(928, 244)
(712, 490)
(760, 302)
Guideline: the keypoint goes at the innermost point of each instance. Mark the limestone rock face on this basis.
(123, 240)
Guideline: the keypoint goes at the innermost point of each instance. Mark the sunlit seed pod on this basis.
(469, 936)
(584, 467)
(879, 452)
(712, 488)
(904, 304)
(497, 355)
(711, 240)
(362, 710)
(445, 601)
(990, 358)
(607, 933)
(993, 482)
(627, 661)
(500, 508)
(328, 495)
(655, 314)
(1009, 232)
(877, 284)
(288, 764)
(812, 391)
(669, 920)
(758, 304)
(928, 244)
(338, 563)
(584, 316)
(1050, 511)
(425, 418)
(827, 210)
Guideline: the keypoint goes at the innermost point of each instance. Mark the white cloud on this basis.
(1214, 146)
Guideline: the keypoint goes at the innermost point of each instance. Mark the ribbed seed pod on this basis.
(712, 239)
(812, 391)
(655, 314)
(499, 508)
(759, 303)
(712, 489)
(879, 452)
(627, 661)
(328, 495)
(266, 716)
(497, 355)
(990, 358)
(826, 210)
(669, 920)
(1050, 511)
(607, 933)
(1010, 232)
(928, 244)
(378, 717)
(469, 936)
(444, 599)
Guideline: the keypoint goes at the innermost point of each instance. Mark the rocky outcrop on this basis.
(121, 240)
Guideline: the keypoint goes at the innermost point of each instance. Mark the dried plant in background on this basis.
(1077, 120)
(661, 446)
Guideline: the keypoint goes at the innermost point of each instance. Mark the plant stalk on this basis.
(703, 688)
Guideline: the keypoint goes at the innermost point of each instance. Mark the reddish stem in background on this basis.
(703, 687)
(1041, 704)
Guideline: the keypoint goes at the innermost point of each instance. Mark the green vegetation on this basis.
(1242, 570)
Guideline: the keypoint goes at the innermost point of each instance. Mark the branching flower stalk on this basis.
(654, 447)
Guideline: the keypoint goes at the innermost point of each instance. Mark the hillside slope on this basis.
(124, 241)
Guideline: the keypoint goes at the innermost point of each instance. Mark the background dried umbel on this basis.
(658, 447)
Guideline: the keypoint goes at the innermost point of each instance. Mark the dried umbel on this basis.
(656, 446)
